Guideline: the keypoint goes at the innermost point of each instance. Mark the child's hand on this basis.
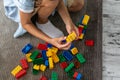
(57, 42)
(72, 28)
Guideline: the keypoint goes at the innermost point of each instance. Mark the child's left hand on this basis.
(72, 28)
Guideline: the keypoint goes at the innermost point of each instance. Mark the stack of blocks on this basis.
(48, 56)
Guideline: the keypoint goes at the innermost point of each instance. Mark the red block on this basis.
(24, 63)
(43, 78)
(89, 43)
(20, 74)
(75, 75)
(42, 46)
(80, 29)
(39, 55)
(77, 64)
(63, 65)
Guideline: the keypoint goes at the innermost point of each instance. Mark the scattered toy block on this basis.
(75, 75)
(81, 36)
(54, 50)
(70, 73)
(85, 20)
(85, 26)
(51, 65)
(42, 67)
(81, 19)
(63, 65)
(36, 67)
(67, 55)
(74, 51)
(84, 31)
(38, 61)
(54, 76)
(20, 74)
(35, 72)
(69, 67)
(80, 29)
(79, 76)
(28, 57)
(44, 55)
(71, 37)
(49, 53)
(27, 48)
(80, 58)
(77, 64)
(71, 47)
(46, 63)
(42, 47)
(89, 43)
(34, 55)
(39, 55)
(43, 78)
(55, 58)
(24, 63)
(16, 70)
(61, 58)
(49, 45)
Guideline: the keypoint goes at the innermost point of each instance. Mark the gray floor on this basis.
(111, 39)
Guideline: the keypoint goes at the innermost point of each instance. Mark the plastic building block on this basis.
(44, 55)
(69, 67)
(71, 37)
(72, 46)
(77, 24)
(85, 20)
(36, 67)
(42, 67)
(16, 70)
(80, 58)
(55, 58)
(43, 78)
(63, 65)
(84, 31)
(51, 65)
(54, 76)
(81, 36)
(35, 72)
(61, 58)
(42, 47)
(77, 64)
(79, 76)
(28, 57)
(89, 43)
(46, 63)
(54, 50)
(80, 29)
(85, 26)
(49, 45)
(75, 75)
(81, 19)
(70, 74)
(81, 26)
(63, 41)
(49, 53)
(34, 55)
(20, 74)
(67, 55)
(39, 55)
(27, 48)
(38, 61)
(74, 51)
(24, 63)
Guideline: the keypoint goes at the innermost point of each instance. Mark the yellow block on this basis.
(36, 67)
(42, 67)
(28, 57)
(49, 53)
(16, 70)
(54, 50)
(51, 65)
(71, 37)
(81, 36)
(85, 19)
(74, 51)
(55, 58)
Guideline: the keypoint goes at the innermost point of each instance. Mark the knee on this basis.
(76, 6)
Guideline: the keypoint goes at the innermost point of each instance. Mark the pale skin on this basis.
(47, 7)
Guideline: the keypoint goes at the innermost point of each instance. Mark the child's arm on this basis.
(62, 10)
(30, 27)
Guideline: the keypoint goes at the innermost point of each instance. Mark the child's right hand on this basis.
(57, 42)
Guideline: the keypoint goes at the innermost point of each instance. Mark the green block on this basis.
(80, 58)
(34, 55)
(85, 26)
(70, 66)
(62, 58)
(38, 61)
(77, 25)
(54, 76)
(35, 72)
(70, 73)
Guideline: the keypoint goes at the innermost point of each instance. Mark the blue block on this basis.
(49, 45)
(27, 48)
(67, 55)
(81, 19)
(46, 63)
(44, 55)
(64, 41)
(79, 77)
(84, 31)
(72, 46)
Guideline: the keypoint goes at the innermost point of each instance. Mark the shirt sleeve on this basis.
(26, 6)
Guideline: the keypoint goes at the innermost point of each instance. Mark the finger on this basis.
(66, 45)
